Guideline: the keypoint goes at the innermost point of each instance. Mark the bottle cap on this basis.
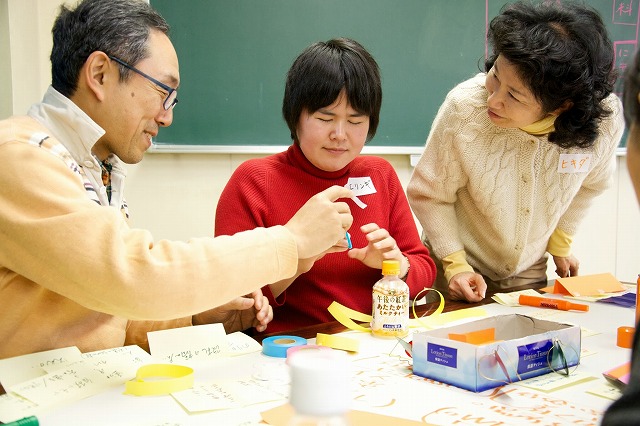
(390, 267)
(625, 337)
(320, 382)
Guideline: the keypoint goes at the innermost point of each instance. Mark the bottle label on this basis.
(390, 313)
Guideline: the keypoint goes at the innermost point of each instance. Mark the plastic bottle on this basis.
(390, 303)
(320, 388)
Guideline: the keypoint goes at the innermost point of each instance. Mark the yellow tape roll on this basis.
(181, 379)
(337, 342)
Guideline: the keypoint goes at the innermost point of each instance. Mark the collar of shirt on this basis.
(77, 132)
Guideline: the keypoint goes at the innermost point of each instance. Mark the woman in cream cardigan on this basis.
(516, 154)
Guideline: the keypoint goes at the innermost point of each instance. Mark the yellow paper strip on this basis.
(418, 321)
(345, 316)
(182, 378)
(440, 320)
(337, 342)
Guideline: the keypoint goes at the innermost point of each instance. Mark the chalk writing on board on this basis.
(621, 18)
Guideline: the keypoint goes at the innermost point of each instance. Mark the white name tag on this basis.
(360, 186)
(574, 163)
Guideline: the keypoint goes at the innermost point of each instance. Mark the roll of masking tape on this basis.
(337, 342)
(164, 380)
(625, 337)
(276, 346)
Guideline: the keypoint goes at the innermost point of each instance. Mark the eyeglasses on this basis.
(561, 359)
(172, 94)
(557, 358)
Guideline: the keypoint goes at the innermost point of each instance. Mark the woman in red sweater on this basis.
(332, 105)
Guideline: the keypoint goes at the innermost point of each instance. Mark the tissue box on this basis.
(515, 347)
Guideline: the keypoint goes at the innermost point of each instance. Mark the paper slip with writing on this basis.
(21, 368)
(240, 344)
(605, 390)
(181, 345)
(554, 381)
(13, 407)
(512, 299)
(72, 383)
(130, 354)
(83, 378)
(224, 395)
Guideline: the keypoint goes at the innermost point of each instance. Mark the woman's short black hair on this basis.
(563, 54)
(322, 71)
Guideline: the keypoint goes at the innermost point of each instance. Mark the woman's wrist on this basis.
(408, 265)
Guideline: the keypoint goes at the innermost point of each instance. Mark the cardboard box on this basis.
(523, 347)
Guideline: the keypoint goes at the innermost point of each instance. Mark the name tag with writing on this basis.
(360, 186)
(574, 163)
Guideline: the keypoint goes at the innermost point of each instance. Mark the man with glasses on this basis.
(172, 94)
(72, 272)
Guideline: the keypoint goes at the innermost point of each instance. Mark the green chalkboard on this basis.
(234, 55)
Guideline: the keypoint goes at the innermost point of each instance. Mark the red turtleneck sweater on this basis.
(268, 191)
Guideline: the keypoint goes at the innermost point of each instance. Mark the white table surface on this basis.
(384, 384)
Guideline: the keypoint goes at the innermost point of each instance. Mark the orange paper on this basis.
(281, 415)
(478, 337)
(619, 376)
(585, 285)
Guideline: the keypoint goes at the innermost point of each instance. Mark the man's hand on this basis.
(468, 286)
(321, 222)
(240, 314)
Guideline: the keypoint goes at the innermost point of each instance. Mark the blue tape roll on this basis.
(276, 346)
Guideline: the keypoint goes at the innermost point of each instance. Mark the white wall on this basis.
(174, 195)
(27, 24)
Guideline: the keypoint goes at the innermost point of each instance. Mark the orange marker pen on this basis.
(545, 302)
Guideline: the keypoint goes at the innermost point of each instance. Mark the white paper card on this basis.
(14, 407)
(513, 299)
(181, 345)
(552, 381)
(240, 344)
(83, 378)
(22, 368)
(225, 395)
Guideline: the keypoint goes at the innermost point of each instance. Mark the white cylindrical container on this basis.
(321, 387)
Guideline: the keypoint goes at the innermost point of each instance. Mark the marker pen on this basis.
(27, 421)
(348, 237)
(545, 302)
